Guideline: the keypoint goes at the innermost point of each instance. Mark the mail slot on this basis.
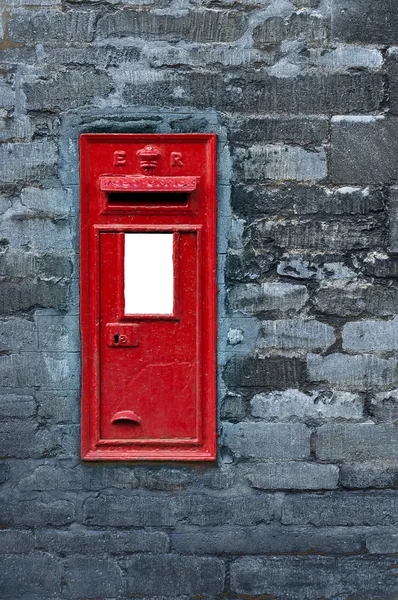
(148, 296)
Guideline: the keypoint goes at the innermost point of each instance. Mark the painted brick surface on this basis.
(302, 501)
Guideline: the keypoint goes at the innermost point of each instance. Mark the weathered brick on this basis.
(257, 92)
(47, 25)
(350, 164)
(286, 129)
(341, 508)
(255, 200)
(354, 372)
(314, 405)
(130, 511)
(236, 509)
(376, 474)
(29, 575)
(233, 407)
(17, 406)
(18, 264)
(362, 21)
(4, 472)
(170, 575)
(281, 162)
(383, 407)
(382, 543)
(308, 27)
(27, 162)
(58, 406)
(58, 333)
(264, 539)
(294, 264)
(15, 297)
(166, 479)
(22, 439)
(294, 476)
(349, 57)
(355, 299)
(17, 334)
(356, 441)
(371, 335)
(16, 541)
(269, 373)
(392, 73)
(66, 90)
(295, 333)
(312, 578)
(36, 513)
(255, 299)
(91, 577)
(196, 55)
(268, 440)
(393, 220)
(194, 26)
(51, 370)
(321, 234)
(82, 541)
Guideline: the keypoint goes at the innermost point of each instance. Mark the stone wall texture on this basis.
(302, 503)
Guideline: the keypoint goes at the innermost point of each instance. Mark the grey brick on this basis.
(236, 509)
(55, 204)
(312, 578)
(27, 162)
(322, 234)
(48, 477)
(359, 21)
(255, 200)
(382, 543)
(293, 264)
(17, 406)
(67, 90)
(349, 57)
(281, 162)
(337, 93)
(18, 264)
(341, 508)
(376, 474)
(173, 575)
(308, 27)
(17, 334)
(286, 129)
(36, 513)
(392, 73)
(58, 333)
(264, 539)
(233, 407)
(91, 577)
(354, 372)
(371, 335)
(15, 297)
(383, 407)
(268, 440)
(349, 162)
(36, 576)
(51, 370)
(393, 220)
(356, 441)
(22, 439)
(315, 405)
(294, 476)
(295, 333)
(80, 540)
(51, 25)
(130, 511)
(255, 299)
(194, 26)
(59, 406)
(4, 472)
(16, 541)
(354, 299)
(166, 479)
(269, 373)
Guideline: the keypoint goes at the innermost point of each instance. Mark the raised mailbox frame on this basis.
(147, 183)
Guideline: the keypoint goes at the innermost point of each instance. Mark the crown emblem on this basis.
(148, 158)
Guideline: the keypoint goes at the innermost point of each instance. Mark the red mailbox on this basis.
(148, 296)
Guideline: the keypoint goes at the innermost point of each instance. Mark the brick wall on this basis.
(302, 502)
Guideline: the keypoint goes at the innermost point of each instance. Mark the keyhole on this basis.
(116, 338)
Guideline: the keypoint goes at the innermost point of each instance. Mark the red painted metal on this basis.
(149, 381)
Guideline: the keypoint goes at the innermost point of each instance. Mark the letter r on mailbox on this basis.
(148, 296)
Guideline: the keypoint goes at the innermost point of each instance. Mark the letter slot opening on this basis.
(151, 198)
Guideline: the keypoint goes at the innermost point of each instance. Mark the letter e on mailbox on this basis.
(148, 296)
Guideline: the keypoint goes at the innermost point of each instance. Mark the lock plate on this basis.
(120, 335)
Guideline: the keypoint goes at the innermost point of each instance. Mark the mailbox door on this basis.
(150, 383)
